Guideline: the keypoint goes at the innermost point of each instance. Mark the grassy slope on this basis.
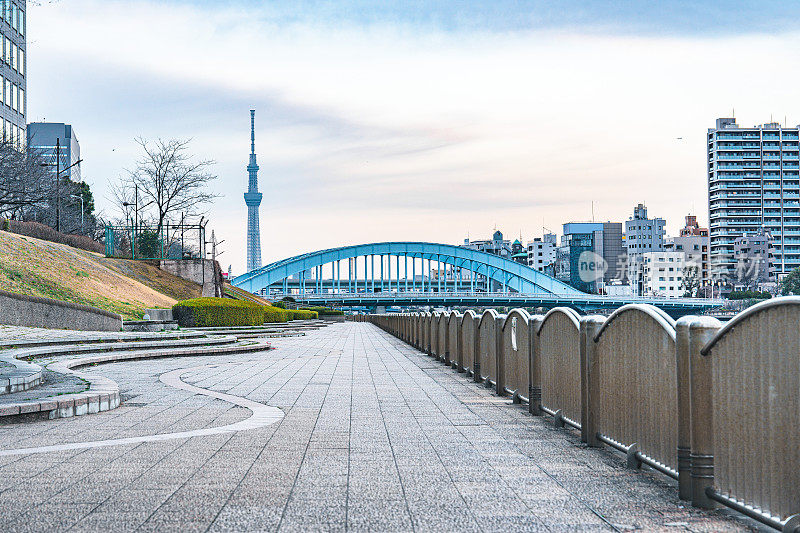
(41, 268)
(241, 294)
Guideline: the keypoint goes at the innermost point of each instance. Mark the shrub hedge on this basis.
(211, 312)
(274, 314)
(749, 295)
(227, 312)
(325, 311)
(303, 314)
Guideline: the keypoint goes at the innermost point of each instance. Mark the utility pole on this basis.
(58, 184)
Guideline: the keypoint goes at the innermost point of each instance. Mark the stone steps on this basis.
(103, 394)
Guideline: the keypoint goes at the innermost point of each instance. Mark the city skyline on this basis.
(515, 124)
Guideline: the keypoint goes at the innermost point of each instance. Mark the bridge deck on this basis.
(377, 436)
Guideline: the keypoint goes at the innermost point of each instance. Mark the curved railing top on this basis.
(489, 312)
(526, 316)
(517, 275)
(567, 311)
(469, 313)
(453, 314)
(747, 314)
(658, 315)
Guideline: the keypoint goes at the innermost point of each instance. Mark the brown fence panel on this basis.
(469, 325)
(441, 330)
(434, 351)
(755, 387)
(557, 353)
(632, 384)
(516, 353)
(453, 331)
(486, 356)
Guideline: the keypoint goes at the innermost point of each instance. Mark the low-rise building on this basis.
(662, 274)
(591, 255)
(753, 254)
(542, 253)
(518, 252)
(695, 250)
(497, 245)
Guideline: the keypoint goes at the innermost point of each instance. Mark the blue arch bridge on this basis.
(428, 274)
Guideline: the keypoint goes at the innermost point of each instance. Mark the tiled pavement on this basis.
(377, 437)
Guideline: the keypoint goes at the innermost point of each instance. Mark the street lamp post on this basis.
(58, 180)
(135, 205)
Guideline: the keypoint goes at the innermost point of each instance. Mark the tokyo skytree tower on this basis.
(253, 200)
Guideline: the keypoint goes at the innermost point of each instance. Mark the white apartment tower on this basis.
(753, 187)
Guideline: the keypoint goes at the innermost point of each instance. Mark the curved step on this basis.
(103, 393)
(20, 377)
(73, 349)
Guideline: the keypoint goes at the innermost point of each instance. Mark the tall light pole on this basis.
(58, 180)
(135, 205)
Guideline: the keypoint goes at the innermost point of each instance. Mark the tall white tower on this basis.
(253, 200)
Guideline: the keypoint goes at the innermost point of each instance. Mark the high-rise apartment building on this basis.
(12, 75)
(58, 145)
(753, 186)
(642, 235)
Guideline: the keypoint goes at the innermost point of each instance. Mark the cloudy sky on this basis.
(418, 120)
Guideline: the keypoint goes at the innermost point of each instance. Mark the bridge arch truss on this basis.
(400, 267)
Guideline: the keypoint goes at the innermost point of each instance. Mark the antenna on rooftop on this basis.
(592, 210)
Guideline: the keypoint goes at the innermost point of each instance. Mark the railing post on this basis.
(535, 367)
(590, 326)
(500, 381)
(701, 331)
(460, 344)
(476, 351)
(446, 347)
(682, 354)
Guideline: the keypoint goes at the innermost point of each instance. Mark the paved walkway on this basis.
(376, 436)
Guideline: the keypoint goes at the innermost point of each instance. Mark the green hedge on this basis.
(216, 312)
(303, 314)
(325, 311)
(749, 295)
(274, 314)
(226, 312)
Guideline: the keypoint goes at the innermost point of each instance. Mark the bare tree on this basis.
(25, 183)
(169, 181)
(691, 279)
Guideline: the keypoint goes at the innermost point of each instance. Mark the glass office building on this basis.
(12, 76)
(753, 186)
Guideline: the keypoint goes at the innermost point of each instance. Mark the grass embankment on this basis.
(42, 268)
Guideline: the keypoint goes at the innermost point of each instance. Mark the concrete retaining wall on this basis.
(159, 314)
(36, 312)
(203, 271)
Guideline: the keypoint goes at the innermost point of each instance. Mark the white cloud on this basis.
(394, 133)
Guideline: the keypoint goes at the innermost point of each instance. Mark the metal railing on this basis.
(714, 407)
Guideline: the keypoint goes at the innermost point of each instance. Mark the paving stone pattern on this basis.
(376, 437)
